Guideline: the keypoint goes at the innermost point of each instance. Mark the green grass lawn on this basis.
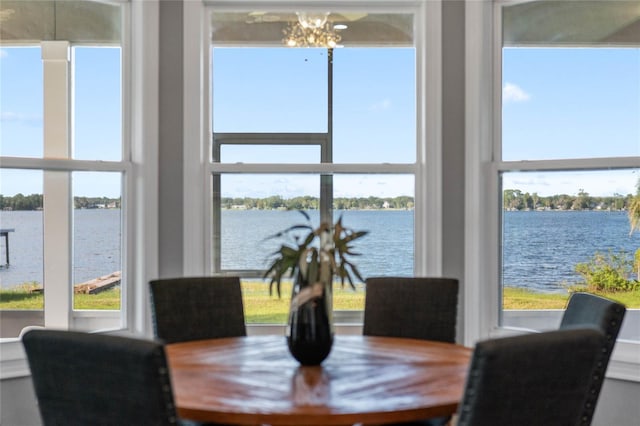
(517, 298)
(260, 307)
(22, 298)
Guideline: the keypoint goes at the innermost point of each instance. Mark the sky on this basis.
(571, 103)
(557, 103)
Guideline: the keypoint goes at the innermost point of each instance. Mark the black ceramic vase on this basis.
(310, 327)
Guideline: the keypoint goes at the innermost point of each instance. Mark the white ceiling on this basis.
(545, 22)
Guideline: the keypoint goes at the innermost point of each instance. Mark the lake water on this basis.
(540, 249)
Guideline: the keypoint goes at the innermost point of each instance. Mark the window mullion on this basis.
(603, 163)
(57, 212)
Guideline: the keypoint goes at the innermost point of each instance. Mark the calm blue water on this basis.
(540, 248)
(252, 228)
(96, 240)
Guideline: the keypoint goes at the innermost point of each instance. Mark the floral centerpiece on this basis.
(313, 257)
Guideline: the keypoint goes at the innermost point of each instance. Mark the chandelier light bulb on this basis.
(312, 20)
(311, 30)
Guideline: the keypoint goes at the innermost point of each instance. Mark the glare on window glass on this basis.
(21, 102)
(570, 103)
(97, 240)
(97, 104)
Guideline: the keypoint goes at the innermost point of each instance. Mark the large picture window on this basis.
(64, 172)
(328, 129)
(568, 161)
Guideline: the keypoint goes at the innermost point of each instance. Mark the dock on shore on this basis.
(94, 286)
(99, 284)
(4, 232)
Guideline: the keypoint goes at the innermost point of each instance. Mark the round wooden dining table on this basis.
(254, 380)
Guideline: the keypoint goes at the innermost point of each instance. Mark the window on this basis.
(567, 160)
(332, 131)
(64, 171)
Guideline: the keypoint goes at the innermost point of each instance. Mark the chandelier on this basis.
(311, 30)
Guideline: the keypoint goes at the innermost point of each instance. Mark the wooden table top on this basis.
(254, 380)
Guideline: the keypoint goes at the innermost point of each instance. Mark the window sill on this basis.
(625, 361)
(624, 364)
(13, 362)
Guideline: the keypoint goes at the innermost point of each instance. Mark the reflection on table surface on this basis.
(365, 379)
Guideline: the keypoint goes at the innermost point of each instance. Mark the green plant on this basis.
(316, 256)
(607, 272)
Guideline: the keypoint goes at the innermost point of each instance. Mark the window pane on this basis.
(257, 206)
(559, 228)
(97, 104)
(373, 203)
(269, 90)
(269, 154)
(21, 95)
(570, 103)
(254, 207)
(21, 269)
(97, 240)
(382, 205)
(356, 105)
(374, 115)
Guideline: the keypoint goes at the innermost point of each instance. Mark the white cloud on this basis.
(10, 116)
(514, 93)
(596, 183)
(381, 105)
(3, 53)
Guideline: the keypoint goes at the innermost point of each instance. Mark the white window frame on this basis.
(58, 167)
(139, 50)
(483, 130)
(427, 169)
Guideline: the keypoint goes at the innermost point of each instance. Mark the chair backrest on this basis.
(194, 308)
(95, 379)
(586, 309)
(412, 307)
(590, 309)
(532, 380)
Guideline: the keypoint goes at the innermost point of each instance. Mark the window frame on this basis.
(57, 171)
(276, 139)
(427, 168)
(139, 189)
(484, 207)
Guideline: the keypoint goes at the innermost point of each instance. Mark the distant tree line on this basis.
(34, 202)
(313, 203)
(514, 199)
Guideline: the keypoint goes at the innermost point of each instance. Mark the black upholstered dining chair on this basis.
(531, 380)
(590, 309)
(412, 307)
(194, 308)
(585, 309)
(95, 379)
